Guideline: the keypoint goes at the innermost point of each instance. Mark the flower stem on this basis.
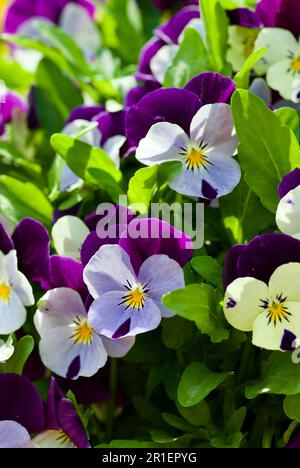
(113, 381)
(244, 367)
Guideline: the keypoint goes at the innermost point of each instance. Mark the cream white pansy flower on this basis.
(241, 45)
(281, 62)
(288, 213)
(15, 294)
(271, 312)
(68, 234)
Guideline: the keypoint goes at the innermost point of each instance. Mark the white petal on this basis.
(57, 308)
(242, 302)
(269, 336)
(58, 351)
(188, 182)
(288, 213)
(278, 42)
(161, 61)
(113, 146)
(261, 89)
(19, 282)
(68, 234)
(69, 180)
(108, 270)
(281, 78)
(161, 274)
(79, 125)
(223, 174)
(213, 124)
(163, 142)
(118, 348)
(12, 314)
(241, 42)
(198, 25)
(13, 435)
(284, 282)
(6, 349)
(77, 23)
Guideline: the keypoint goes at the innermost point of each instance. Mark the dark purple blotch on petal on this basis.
(177, 106)
(211, 88)
(20, 402)
(123, 330)
(74, 368)
(288, 341)
(231, 303)
(208, 191)
(289, 182)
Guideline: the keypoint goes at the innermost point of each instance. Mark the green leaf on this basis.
(190, 60)
(23, 349)
(267, 151)
(198, 415)
(21, 199)
(279, 375)
(239, 209)
(14, 76)
(291, 406)
(83, 159)
(289, 116)
(13, 162)
(196, 303)
(197, 382)
(142, 187)
(242, 78)
(177, 332)
(209, 269)
(216, 26)
(177, 422)
(60, 89)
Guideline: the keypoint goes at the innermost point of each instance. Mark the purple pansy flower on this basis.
(63, 427)
(69, 345)
(11, 106)
(171, 125)
(245, 17)
(22, 10)
(127, 304)
(31, 241)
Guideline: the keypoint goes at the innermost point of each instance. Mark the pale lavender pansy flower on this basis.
(15, 294)
(126, 303)
(208, 169)
(271, 312)
(69, 345)
(13, 435)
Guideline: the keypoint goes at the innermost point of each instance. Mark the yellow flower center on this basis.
(277, 311)
(195, 158)
(83, 333)
(5, 290)
(296, 64)
(136, 298)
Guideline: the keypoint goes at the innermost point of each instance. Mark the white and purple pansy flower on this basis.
(126, 303)
(176, 127)
(69, 345)
(288, 210)
(15, 294)
(271, 311)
